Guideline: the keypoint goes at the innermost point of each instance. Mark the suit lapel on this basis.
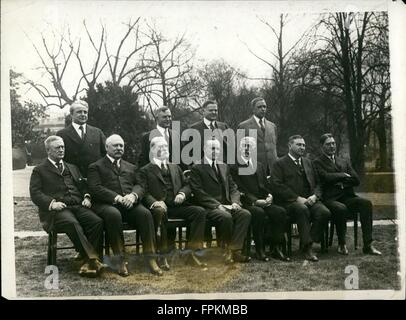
(74, 135)
(157, 171)
(52, 168)
(307, 170)
(73, 171)
(209, 169)
(172, 171)
(109, 164)
(255, 124)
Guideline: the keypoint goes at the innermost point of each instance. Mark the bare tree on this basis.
(170, 63)
(55, 56)
(279, 85)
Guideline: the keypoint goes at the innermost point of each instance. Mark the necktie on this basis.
(262, 125)
(115, 164)
(297, 161)
(164, 169)
(333, 159)
(212, 127)
(167, 136)
(82, 132)
(60, 166)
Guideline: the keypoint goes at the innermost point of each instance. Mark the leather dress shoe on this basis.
(122, 270)
(260, 255)
(164, 265)
(87, 271)
(278, 254)
(342, 249)
(309, 255)
(154, 268)
(239, 257)
(228, 257)
(195, 262)
(97, 265)
(372, 251)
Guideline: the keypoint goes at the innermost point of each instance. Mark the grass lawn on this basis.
(256, 276)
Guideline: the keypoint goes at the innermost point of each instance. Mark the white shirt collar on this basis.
(76, 127)
(162, 130)
(112, 159)
(54, 162)
(159, 162)
(294, 159)
(209, 161)
(207, 122)
(257, 120)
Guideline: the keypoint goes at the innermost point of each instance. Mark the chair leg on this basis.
(356, 231)
(289, 233)
(332, 225)
(106, 244)
(137, 242)
(247, 246)
(52, 247)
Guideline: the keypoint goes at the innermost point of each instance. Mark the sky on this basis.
(217, 30)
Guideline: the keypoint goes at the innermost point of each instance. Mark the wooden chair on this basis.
(53, 247)
(179, 224)
(332, 224)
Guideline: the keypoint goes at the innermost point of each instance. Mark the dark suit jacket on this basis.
(266, 143)
(334, 183)
(200, 126)
(153, 183)
(252, 187)
(46, 184)
(207, 189)
(83, 152)
(286, 177)
(105, 182)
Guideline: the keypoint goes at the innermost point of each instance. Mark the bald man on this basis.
(84, 144)
(116, 193)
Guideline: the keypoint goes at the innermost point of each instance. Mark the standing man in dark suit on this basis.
(166, 193)
(162, 129)
(215, 190)
(296, 187)
(266, 133)
(84, 143)
(117, 195)
(258, 200)
(56, 188)
(210, 128)
(338, 179)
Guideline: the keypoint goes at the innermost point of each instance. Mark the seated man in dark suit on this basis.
(56, 188)
(116, 193)
(165, 195)
(295, 185)
(258, 199)
(84, 144)
(215, 190)
(338, 179)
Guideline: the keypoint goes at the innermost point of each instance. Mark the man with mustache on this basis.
(338, 179)
(64, 205)
(117, 195)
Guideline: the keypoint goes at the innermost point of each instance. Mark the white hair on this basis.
(155, 140)
(113, 136)
(51, 139)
